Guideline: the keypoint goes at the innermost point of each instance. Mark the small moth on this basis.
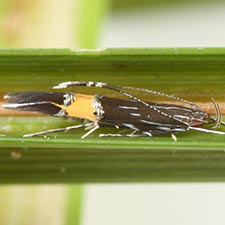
(143, 118)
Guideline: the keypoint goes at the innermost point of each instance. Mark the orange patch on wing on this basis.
(81, 108)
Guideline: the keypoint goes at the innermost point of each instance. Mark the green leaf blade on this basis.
(193, 74)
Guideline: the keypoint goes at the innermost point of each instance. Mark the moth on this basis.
(142, 118)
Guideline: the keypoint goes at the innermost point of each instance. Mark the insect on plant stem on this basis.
(143, 118)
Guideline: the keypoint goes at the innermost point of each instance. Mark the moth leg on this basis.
(122, 135)
(65, 129)
(93, 127)
(173, 136)
(133, 134)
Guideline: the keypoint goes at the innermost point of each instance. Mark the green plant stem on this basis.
(94, 160)
(194, 74)
(91, 20)
(74, 204)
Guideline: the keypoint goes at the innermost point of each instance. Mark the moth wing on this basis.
(42, 102)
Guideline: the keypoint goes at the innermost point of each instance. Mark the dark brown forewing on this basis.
(35, 101)
(122, 112)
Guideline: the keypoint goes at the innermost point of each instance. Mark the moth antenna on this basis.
(119, 89)
(116, 88)
(162, 94)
